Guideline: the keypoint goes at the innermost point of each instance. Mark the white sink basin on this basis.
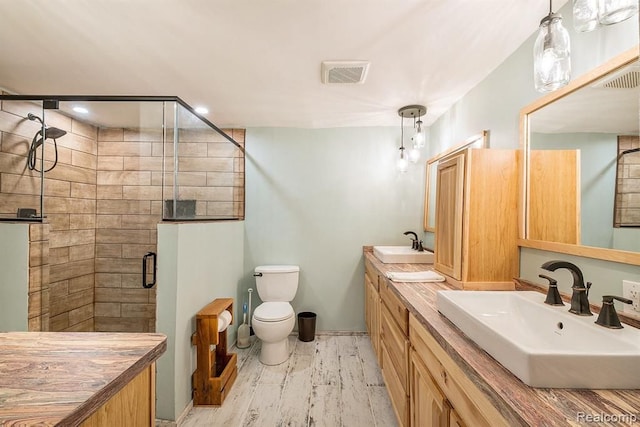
(401, 255)
(542, 345)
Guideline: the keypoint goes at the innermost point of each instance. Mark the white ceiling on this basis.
(257, 62)
(592, 108)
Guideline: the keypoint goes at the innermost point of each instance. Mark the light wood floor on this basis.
(332, 381)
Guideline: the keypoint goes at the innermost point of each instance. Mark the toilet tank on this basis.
(277, 282)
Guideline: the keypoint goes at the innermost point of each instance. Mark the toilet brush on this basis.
(243, 330)
(250, 328)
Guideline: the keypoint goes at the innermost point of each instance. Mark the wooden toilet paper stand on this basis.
(216, 370)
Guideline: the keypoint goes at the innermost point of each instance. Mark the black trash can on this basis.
(306, 326)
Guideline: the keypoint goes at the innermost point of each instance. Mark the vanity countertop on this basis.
(60, 378)
(519, 404)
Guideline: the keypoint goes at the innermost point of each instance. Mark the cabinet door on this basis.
(397, 392)
(372, 314)
(396, 344)
(454, 420)
(449, 211)
(429, 407)
(367, 303)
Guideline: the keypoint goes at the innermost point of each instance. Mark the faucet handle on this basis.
(553, 296)
(608, 316)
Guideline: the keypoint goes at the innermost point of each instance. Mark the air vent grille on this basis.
(628, 80)
(337, 72)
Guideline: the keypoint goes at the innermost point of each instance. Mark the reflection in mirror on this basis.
(477, 141)
(574, 142)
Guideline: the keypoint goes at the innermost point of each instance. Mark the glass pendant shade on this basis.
(585, 15)
(614, 11)
(418, 138)
(551, 55)
(402, 164)
(414, 154)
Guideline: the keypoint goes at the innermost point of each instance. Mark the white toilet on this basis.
(274, 319)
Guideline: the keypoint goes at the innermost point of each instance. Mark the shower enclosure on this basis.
(91, 177)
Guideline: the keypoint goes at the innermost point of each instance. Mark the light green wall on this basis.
(495, 104)
(314, 197)
(14, 280)
(197, 263)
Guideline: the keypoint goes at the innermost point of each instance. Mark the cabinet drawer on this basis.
(397, 346)
(471, 405)
(399, 399)
(369, 270)
(395, 306)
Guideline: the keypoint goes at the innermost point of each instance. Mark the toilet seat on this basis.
(274, 311)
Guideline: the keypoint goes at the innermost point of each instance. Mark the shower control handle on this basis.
(145, 259)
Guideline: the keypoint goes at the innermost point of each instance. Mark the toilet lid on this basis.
(273, 311)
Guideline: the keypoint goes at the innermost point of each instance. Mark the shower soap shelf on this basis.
(216, 370)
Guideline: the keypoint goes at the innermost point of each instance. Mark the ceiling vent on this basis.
(344, 71)
(627, 78)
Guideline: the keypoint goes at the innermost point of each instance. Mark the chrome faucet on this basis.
(414, 241)
(579, 297)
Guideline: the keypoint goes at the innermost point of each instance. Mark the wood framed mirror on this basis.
(480, 140)
(571, 139)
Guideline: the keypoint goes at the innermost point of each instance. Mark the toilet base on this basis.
(274, 353)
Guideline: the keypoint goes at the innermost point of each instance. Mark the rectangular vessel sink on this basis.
(545, 346)
(401, 255)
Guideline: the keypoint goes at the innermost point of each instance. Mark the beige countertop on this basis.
(517, 402)
(60, 378)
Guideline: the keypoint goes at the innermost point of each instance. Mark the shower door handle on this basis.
(145, 261)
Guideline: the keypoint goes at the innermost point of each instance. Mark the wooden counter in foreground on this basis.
(78, 378)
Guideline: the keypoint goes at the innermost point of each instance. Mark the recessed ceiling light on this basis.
(80, 110)
(202, 110)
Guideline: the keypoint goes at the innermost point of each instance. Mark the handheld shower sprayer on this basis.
(38, 140)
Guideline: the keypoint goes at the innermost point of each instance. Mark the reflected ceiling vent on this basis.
(628, 78)
(344, 71)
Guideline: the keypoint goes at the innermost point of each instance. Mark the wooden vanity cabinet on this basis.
(394, 327)
(429, 406)
(476, 218)
(438, 382)
(372, 308)
(133, 405)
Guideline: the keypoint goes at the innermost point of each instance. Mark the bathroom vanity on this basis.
(85, 379)
(437, 376)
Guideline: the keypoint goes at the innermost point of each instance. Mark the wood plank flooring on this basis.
(330, 382)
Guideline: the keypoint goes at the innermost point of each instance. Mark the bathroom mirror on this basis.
(476, 141)
(572, 156)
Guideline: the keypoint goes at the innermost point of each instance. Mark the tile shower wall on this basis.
(628, 186)
(61, 252)
(129, 192)
(102, 203)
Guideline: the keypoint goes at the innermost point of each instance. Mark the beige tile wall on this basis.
(103, 201)
(627, 211)
(130, 203)
(62, 250)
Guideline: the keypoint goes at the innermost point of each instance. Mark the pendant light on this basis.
(418, 139)
(614, 11)
(551, 54)
(585, 15)
(589, 14)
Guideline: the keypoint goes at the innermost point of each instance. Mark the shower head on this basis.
(54, 133)
(39, 138)
(49, 132)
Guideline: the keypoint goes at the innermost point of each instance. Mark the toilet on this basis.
(274, 319)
